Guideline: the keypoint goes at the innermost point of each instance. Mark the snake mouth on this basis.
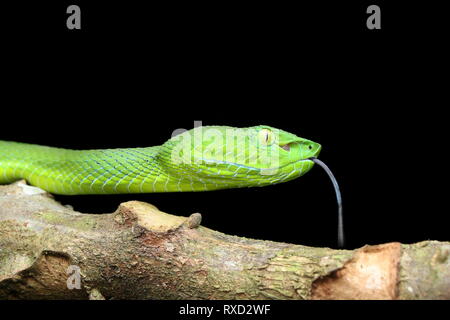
(256, 168)
(311, 160)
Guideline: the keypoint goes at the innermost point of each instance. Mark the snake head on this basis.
(226, 157)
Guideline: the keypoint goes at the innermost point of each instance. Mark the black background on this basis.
(135, 73)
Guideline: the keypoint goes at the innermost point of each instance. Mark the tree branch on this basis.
(139, 252)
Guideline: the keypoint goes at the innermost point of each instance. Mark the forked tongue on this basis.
(341, 236)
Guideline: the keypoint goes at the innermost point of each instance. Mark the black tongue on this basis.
(341, 236)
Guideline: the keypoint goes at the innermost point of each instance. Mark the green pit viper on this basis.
(202, 159)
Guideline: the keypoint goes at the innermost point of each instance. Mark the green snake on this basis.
(202, 159)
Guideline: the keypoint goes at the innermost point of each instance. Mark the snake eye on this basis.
(266, 137)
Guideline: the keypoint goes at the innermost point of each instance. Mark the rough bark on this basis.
(139, 252)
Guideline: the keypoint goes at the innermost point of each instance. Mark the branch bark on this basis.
(139, 252)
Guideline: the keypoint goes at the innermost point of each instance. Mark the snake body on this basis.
(202, 159)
